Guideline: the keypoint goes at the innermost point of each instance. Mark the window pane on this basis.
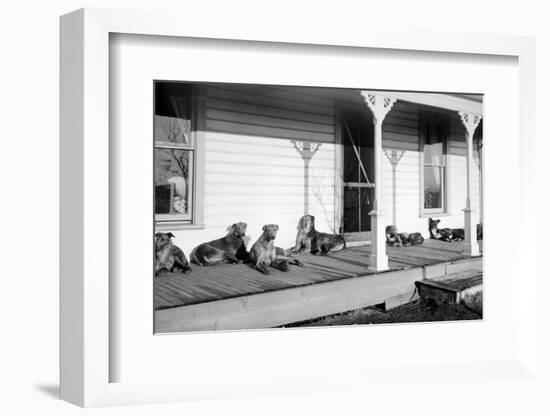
(172, 130)
(433, 187)
(433, 146)
(351, 210)
(433, 153)
(173, 181)
(173, 113)
(357, 205)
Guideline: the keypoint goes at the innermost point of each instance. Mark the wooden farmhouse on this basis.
(358, 160)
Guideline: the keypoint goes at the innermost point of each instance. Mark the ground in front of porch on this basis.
(414, 310)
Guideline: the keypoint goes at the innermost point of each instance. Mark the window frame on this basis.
(167, 222)
(425, 117)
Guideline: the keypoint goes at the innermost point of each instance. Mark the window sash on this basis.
(432, 122)
(168, 145)
(178, 217)
(173, 219)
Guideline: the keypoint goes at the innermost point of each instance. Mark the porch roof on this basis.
(468, 103)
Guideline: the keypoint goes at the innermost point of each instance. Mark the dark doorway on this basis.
(358, 143)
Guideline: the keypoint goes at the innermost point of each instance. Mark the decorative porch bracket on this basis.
(380, 106)
(306, 150)
(471, 247)
(394, 156)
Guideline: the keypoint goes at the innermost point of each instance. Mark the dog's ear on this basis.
(276, 227)
(169, 234)
(312, 218)
(157, 235)
(264, 227)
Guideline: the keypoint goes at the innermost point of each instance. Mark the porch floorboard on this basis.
(207, 284)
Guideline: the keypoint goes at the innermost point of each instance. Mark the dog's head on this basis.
(270, 231)
(391, 231)
(307, 223)
(433, 223)
(162, 240)
(238, 229)
(433, 227)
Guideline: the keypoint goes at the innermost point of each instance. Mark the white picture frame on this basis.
(85, 264)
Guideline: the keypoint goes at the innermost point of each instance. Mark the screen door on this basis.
(358, 142)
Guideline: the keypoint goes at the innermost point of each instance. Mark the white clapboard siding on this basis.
(253, 173)
(260, 193)
(400, 132)
(270, 112)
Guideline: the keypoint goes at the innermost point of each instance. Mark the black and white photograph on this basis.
(275, 208)
(290, 206)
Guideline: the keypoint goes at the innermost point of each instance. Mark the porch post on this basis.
(471, 247)
(379, 106)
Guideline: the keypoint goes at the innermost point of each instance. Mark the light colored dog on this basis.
(312, 241)
(264, 253)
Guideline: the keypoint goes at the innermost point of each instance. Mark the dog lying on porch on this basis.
(168, 256)
(445, 234)
(264, 253)
(396, 239)
(228, 249)
(314, 242)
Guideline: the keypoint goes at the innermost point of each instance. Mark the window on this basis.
(434, 130)
(175, 153)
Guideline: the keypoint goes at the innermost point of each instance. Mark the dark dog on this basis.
(445, 234)
(228, 249)
(314, 242)
(264, 253)
(168, 256)
(397, 239)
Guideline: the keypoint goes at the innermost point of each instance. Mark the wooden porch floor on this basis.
(207, 284)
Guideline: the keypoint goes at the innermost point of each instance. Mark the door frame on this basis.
(355, 238)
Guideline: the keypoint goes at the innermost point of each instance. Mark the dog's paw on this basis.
(283, 267)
